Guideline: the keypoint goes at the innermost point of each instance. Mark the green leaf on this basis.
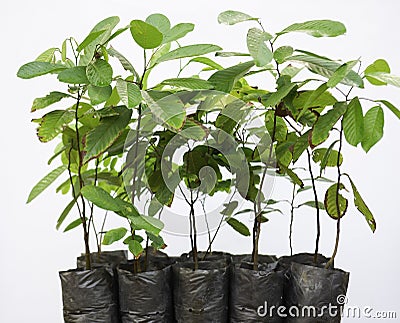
(103, 136)
(314, 98)
(114, 235)
(281, 129)
(159, 21)
(146, 223)
(49, 99)
(362, 207)
(99, 73)
(231, 17)
(273, 99)
(207, 61)
(341, 73)
(189, 83)
(163, 193)
(34, 69)
(281, 53)
(229, 208)
(47, 56)
(300, 146)
(295, 179)
(353, 122)
(154, 207)
(116, 34)
(189, 51)
(327, 157)
(177, 32)
(257, 48)
(157, 242)
(238, 226)
(101, 198)
(385, 78)
(373, 127)
(45, 182)
(57, 152)
(99, 94)
(113, 100)
(170, 110)
(53, 123)
(135, 248)
(325, 67)
(129, 93)
(331, 199)
(224, 80)
(64, 213)
(146, 35)
(379, 65)
(124, 62)
(108, 25)
(90, 39)
(74, 75)
(231, 54)
(391, 107)
(73, 225)
(317, 28)
(326, 122)
(64, 50)
(321, 205)
(127, 209)
(291, 71)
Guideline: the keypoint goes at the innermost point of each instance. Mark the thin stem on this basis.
(314, 187)
(146, 256)
(91, 218)
(192, 213)
(81, 184)
(203, 201)
(72, 183)
(292, 219)
(73, 51)
(218, 228)
(330, 262)
(257, 208)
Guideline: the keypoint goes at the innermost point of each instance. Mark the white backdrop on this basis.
(32, 251)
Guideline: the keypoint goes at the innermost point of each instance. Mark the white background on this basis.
(32, 251)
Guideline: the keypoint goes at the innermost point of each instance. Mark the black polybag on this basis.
(108, 260)
(146, 296)
(201, 295)
(263, 259)
(316, 288)
(254, 292)
(304, 258)
(112, 258)
(218, 256)
(88, 296)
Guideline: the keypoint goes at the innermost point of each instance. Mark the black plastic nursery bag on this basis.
(201, 295)
(88, 296)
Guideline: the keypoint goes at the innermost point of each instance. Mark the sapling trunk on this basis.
(81, 184)
(314, 187)
(146, 256)
(195, 255)
(330, 262)
(135, 169)
(257, 203)
(292, 219)
(316, 206)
